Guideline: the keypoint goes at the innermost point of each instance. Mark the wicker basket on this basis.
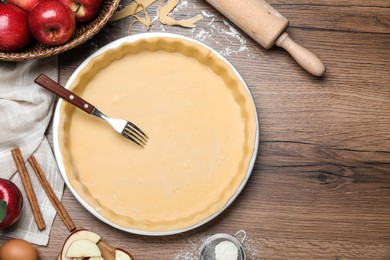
(83, 32)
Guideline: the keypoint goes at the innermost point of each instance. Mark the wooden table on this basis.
(320, 188)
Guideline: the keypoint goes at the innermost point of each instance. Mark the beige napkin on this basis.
(25, 112)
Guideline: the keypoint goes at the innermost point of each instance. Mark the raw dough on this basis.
(163, 14)
(200, 120)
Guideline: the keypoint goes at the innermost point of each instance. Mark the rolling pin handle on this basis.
(308, 60)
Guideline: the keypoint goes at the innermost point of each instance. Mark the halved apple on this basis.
(121, 254)
(80, 234)
(83, 248)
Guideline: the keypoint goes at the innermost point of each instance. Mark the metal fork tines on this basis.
(125, 128)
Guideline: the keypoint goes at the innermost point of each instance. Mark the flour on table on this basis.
(232, 41)
(222, 36)
(251, 249)
(182, 3)
(191, 251)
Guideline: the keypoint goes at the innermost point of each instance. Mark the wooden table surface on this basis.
(320, 188)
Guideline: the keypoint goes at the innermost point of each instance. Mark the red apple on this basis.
(84, 10)
(51, 22)
(11, 203)
(26, 5)
(14, 31)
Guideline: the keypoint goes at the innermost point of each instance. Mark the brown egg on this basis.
(18, 249)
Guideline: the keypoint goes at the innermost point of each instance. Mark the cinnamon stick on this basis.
(62, 212)
(19, 161)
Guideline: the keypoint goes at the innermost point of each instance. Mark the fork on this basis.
(124, 127)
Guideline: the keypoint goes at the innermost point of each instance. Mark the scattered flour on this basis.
(251, 249)
(223, 37)
(182, 3)
(225, 45)
(191, 250)
(211, 30)
(206, 14)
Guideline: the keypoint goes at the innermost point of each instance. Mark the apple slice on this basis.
(121, 254)
(93, 258)
(83, 248)
(87, 258)
(78, 235)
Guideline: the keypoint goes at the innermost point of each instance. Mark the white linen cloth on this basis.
(25, 113)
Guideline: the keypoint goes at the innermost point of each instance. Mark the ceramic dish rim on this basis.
(59, 158)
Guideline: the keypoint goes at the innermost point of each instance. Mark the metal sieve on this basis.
(208, 249)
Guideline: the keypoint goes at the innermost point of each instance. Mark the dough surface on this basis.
(201, 124)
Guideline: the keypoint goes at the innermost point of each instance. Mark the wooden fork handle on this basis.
(49, 84)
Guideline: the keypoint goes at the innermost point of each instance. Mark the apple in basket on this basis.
(11, 203)
(26, 5)
(51, 22)
(84, 10)
(14, 31)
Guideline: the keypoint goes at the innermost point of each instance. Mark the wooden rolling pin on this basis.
(267, 27)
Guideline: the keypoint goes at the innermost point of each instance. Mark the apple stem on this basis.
(78, 5)
(53, 35)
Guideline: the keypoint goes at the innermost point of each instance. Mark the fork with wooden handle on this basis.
(124, 127)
